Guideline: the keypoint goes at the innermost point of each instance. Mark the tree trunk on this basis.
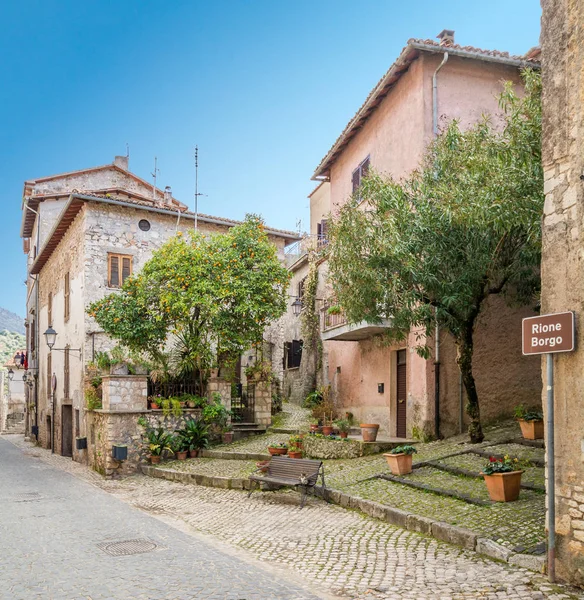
(464, 360)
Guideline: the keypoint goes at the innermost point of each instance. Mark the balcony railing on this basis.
(331, 320)
(297, 250)
(335, 326)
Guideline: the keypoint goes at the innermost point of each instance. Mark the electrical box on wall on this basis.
(380, 388)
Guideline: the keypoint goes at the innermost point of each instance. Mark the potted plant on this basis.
(262, 465)
(343, 426)
(81, 443)
(158, 441)
(295, 440)
(155, 402)
(171, 406)
(327, 428)
(314, 426)
(369, 431)
(227, 436)
(196, 435)
(180, 447)
(399, 459)
(120, 452)
(530, 421)
(503, 478)
(281, 448)
(294, 452)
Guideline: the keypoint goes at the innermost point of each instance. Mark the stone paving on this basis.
(336, 550)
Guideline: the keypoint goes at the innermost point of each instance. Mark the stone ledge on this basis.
(233, 455)
(493, 549)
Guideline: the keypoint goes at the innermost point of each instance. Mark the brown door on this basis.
(401, 394)
(67, 430)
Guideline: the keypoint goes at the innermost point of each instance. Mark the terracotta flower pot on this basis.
(314, 427)
(327, 430)
(263, 465)
(504, 487)
(295, 454)
(280, 451)
(193, 453)
(227, 437)
(369, 431)
(181, 455)
(344, 434)
(154, 406)
(531, 430)
(400, 464)
(154, 459)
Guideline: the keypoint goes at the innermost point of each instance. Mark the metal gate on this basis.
(243, 403)
(401, 395)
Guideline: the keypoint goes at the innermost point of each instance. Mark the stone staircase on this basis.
(244, 430)
(14, 424)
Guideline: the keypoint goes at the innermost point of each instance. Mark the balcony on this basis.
(336, 327)
(294, 252)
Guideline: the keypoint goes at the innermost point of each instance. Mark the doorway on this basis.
(67, 430)
(49, 435)
(401, 394)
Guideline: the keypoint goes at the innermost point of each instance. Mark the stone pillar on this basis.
(562, 283)
(125, 392)
(263, 403)
(222, 387)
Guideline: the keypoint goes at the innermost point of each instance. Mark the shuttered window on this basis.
(50, 309)
(292, 354)
(119, 269)
(67, 297)
(359, 173)
(66, 373)
(322, 232)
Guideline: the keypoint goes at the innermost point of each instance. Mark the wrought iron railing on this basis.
(170, 389)
(298, 249)
(243, 403)
(330, 320)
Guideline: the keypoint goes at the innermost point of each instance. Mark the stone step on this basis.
(245, 425)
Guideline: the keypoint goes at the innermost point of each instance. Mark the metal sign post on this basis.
(549, 334)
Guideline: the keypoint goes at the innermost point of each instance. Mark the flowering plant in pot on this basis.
(503, 478)
(294, 452)
(314, 426)
(155, 401)
(399, 459)
(343, 426)
(158, 441)
(296, 440)
(280, 448)
(530, 421)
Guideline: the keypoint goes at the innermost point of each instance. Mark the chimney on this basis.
(167, 195)
(446, 37)
(122, 162)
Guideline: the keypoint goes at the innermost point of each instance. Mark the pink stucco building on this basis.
(428, 85)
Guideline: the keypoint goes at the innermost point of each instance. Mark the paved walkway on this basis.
(56, 528)
(335, 550)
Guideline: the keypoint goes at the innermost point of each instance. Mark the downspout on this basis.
(437, 328)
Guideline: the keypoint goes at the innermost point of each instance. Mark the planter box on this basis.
(531, 430)
(504, 487)
(400, 464)
(281, 451)
(369, 431)
(295, 454)
(120, 452)
(81, 443)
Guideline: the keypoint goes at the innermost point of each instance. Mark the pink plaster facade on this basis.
(394, 138)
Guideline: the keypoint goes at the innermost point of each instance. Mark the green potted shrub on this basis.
(171, 406)
(503, 478)
(158, 441)
(343, 426)
(280, 448)
(530, 421)
(314, 426)
(196, 435)
(399, 459)
(180, 447)
(227, 435)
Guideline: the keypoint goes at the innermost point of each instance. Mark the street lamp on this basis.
(10, 374)
(297, 306)
(24, 377)
(50, 337)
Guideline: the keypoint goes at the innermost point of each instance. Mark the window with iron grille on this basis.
(119, 269)
(359, 173)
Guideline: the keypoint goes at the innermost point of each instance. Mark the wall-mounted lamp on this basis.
(10, 374)
(297, 306)
(51, 337)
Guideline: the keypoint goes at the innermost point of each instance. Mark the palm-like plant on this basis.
(195, 434)
(159, 440)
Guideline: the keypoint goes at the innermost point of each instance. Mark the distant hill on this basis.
(11, 322)
(10, 344)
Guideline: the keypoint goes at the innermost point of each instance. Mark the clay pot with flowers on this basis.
(503, 478)
(275, 449)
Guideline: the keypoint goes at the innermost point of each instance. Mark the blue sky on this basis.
(263, 87)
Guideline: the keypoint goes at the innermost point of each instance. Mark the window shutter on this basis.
(324, 229)
(66, 373)
(319, 230)
(114, 271)
(356, 180)
(67, 294)
(50, 309)
(126, 267)
(296, 353)
(49, 376)
(365, 167)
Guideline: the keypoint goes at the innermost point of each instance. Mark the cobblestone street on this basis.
(336, 552)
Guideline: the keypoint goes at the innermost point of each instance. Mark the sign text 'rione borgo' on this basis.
(548, 333)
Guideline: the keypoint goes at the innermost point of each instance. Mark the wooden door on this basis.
(401, 394)
(67, 430)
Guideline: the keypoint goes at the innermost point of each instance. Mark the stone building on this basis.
(84, 233)
(562, 41)
(428, 85)
(12, 395)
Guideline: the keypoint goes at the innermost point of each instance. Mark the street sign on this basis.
(548, 333)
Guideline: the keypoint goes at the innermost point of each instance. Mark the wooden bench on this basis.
(301, 473)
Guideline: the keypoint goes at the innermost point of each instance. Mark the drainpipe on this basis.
(437, 328)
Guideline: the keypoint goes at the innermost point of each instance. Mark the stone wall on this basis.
(263, 403)
(562, 274)
(125, 392)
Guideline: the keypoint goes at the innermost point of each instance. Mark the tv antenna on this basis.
(127, 150)
(298, 225)
(197, 194)
(154, 175)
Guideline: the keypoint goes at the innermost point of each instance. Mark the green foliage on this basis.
(10, 344)
(466, 225)
(92, 398)
(343, 425)
(195, 433)
(142, 421)
(313, 399)
(158, 440)
(310, 318)
(279, 445)
(405, 449)
(215, 413)
(214, 294)
(528, 414)
(103, 361)
(171, 406)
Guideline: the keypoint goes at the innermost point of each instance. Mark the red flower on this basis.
(492, 459)
(500, 460)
